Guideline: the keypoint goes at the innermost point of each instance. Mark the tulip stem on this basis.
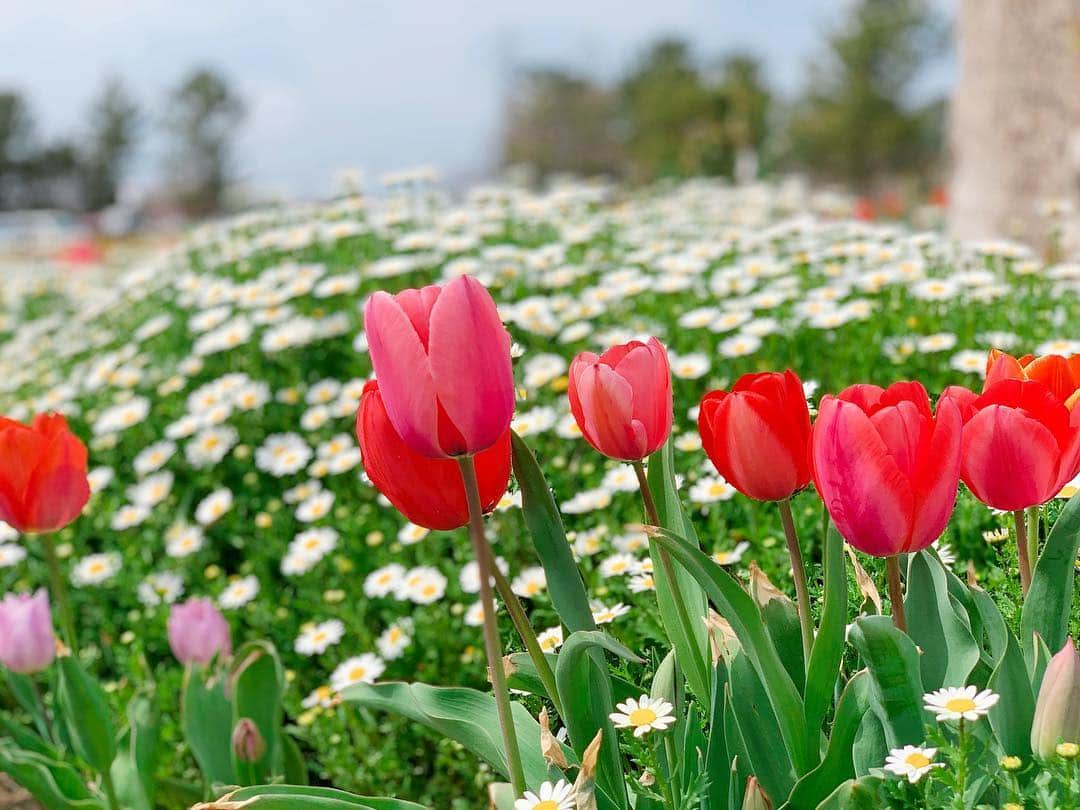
(653, 516)
(528, 635)
(798, 572)
(492, 644)
(59, 593)
(896, 592)
(1033, 538)
(1023, 550)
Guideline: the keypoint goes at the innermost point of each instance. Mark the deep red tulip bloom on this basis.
(886, 466)
(1021, 443)
(428, 491)
(1060, 374)
(43, 484)
(622, 399)
(442, 358)
(757, 435)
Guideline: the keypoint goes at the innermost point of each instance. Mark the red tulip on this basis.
(1021, 444)
(428, 491)
(757, 435)
(442, 358)
(1060, 374)
(622, 399)
(43, 484)
(886, 466)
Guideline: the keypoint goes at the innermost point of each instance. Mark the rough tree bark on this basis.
(1015, 132)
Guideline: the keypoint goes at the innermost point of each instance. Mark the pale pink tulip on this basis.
(27, 644)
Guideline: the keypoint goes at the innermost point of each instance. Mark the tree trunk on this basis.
(1015, 132)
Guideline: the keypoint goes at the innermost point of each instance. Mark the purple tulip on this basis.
(27, 644)
(198, 632)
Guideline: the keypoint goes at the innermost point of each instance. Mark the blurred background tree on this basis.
(16, 135)
(204, 114)
(559, 122)
(114, 124)
(858, 123)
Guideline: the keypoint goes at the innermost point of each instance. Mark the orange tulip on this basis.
(1060, 374)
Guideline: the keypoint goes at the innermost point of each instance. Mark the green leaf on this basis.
(949, 650)
(869, 749)
(86, 714)
(838, 764)
(587, 703)
(57, 785)
(525, 677)
(465, 715)
(735, 605)
(769, 762)
(136, 760)
(303, 797)
(688, 634)
(717, 758)
(564, 584)
(1046, 607)
(781, 619)
(994, 630)
(501, 795)
(893, 662)
(25, 738)
(258, 681)
(296, 771)
(207, 722)
(855, 794)
(828, 649)
(26, 695)
(1011, 716)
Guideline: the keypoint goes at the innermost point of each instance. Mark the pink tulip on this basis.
(622, 400)
(886, 466)
(442, 358)
(27, 644)
(198, 632)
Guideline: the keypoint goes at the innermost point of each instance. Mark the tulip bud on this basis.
(198, 632)
(248, 744)
(755, 798)
(27, 643)
(621, 400)
(1057, 710)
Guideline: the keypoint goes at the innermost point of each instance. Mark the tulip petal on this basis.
(607, 403)
(867, 495)
(645, 368)
(469, 351)
(19, 449)
(751, 454)
(936, 477)
(1009, 459)
(404, 373)
(58, 489)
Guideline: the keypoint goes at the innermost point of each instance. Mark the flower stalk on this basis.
(1023, 550)
(798, 572)
(896, 592)
(492, 644)
(59, 592)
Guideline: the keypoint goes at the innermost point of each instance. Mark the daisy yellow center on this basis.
(960, 704)
(356, 673)
(917, 760)
(642, 717)
(319, 637)
(547, 804)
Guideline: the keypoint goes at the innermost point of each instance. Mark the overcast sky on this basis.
(374, 85)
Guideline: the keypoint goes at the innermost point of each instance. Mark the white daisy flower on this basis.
(11, 554)
(551, 639)
(557, 796)
(912, 761)
(239, 592)
(318, 638)
(393, 641)
(959, 703)
(160, 589)
(214, 506)
(95, 569)
(359, 669)
(384, 581)
(643, 715)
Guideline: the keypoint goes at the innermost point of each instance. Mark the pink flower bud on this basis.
(1057, 711)
(198, 632)
(27, 644)
(247, 742)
